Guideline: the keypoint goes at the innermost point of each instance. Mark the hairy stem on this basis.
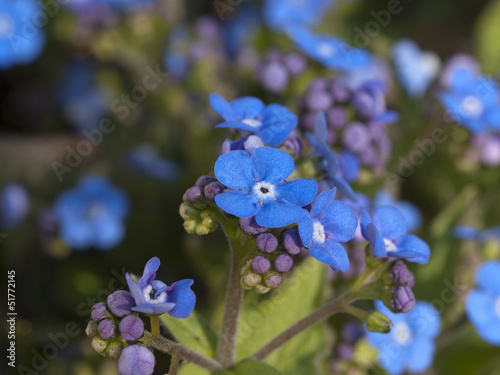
(174, 363)
(331, 308)
(173, 348)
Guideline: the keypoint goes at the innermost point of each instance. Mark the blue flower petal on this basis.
(299, 192)
(488, 277)
(108, 233)
(237, 203)
(340, 223)
(135, 291)
(277, 214)
(247, 107)
(344, 188)
(377, 243)
(389, 222)
(278, 121)
(424, 320)
(416, 245)
(235, 170)
(480, 308)
(222, 107)
(271, 164)
(239, 125)
(420, 355)
(306, 229)
(322, 202)
(364, 221)
(77, 233)
(184, 298)
(331, 253)
(149, 272)
(154, 309)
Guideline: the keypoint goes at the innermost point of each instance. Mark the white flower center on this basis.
(148, 292)
(6, 26)
(326, 50)
(252, 122)
(95, 210)
(472, 106)
(402, 333)
(318, 233)
(389, 245)
(497, 307)
(264, 190)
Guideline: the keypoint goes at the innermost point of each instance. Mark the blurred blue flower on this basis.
(415, 69)
(175, 57)
(457, 65)
(239, 29)
(260, 188)
(146, 159)
(14, 205)
(409, 211)
(376, 70)
(329, 162)
(84, 103)
(332, 52)
(328, 223)
(410, 344)
(153, 297)
(282, 14)
(466, 232)
(21, 40)
(349, 166)
(483, 304)
(136, 360)
(369, 102)
(129, 5)
(91, 214)
(386, 231)
(473, 101)
(272, 123)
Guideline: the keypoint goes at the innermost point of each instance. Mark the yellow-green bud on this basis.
(99, 345)
(262, 289)
(378, 322)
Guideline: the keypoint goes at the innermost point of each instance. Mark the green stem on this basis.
(174, 362)
(155, 325)
(162, 344)
(337, 305)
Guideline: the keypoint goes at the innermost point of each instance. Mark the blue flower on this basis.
(416, 69)
(410, 344)
(329, 162)
(146, 159)
(260, 188)
(332, 52)
(328, 223)
(272, 123)
(409, 211)
(386, 231)
(240, 28)
(282, 14)
(14, 205)
(21, 41)
(483, 305)
(473, 101)
(349, 166)
(472, 233)
(92, 214)
(175, 57)
(153, 297)
(129, 5)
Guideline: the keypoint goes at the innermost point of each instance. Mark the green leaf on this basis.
(250, 367)
(264, 317)
(190, 369)
(486, 35)
(193, 332)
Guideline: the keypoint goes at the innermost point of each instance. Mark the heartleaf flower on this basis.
(154, 297)
(328, 223)
(386, 231)
(272, 123)
(260, 188)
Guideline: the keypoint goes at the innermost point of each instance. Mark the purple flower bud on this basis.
(274, 77)
(319, 101)
(292, 145)
(136, 360)
(283, 263)
(250, 226)
(340, 91)
(120, 303)
(204, 180)
(91, 329)
(260, 264)
(490, 151)
(266, 243)
(351, 332)
(401, 300)
(192, 194)
(99, 311)
(307, 121)
(337, 117)
(252, 143)
(318, 84)
(369, 101)
(291, 241)
(272, 279)
(344, 351)
(295, 63)
(356, 137)
(212, 189)
(106, 329)
(131, 328)
(401, 275)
